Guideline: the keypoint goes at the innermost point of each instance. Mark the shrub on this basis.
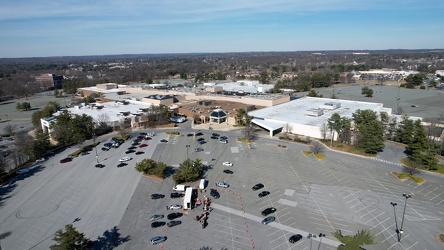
(173, 133)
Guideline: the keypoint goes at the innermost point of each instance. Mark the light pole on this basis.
(321, 235)
(398, 98)
(396, 221)
(406, 196)
(187, 146)
(95, 147)
(311, 236)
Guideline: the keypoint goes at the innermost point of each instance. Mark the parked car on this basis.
(189, 135)
(200, 139)
(258, 186)
(122, 164)
(40, 160)
(174, 207)
(156, 217)
(215, 134)
(199, 149)
(176, 195)
(163, 140)
(157, 196)
(295, 238)
(222, 184)
(174, 223)
(132, 147)
(214, 137)
(268, 211)
(140, 153)
(100, 165)
(268, 220)
(65, 160)
(227, 171)
(143, 145)
(263, 194)
(223, 141)
(173, 216)
(158, 239)
(23, 171)
(214, 193)
(229, 164)
(157, 224)
(105, 149)
(199, 134)
(123, 159)
(202, 142)
(223, 137)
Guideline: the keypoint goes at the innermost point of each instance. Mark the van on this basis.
(202, 184)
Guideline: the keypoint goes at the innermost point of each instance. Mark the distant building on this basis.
(439, 73)
(49, 81)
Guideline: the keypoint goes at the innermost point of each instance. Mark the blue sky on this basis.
(35, 28)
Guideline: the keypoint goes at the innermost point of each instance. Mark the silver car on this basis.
(158, 239)
(156, 217)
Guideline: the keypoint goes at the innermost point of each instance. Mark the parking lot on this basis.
(310, 196)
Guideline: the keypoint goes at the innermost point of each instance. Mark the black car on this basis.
(108, 144)
(100, 165)
(140, 153)
(199, 134)
(130, 151)
(173, 216)
(202, 142)
(214, 137)
(295, 238)
(157, 224)
(223, 137)
(214, 193)
(132, 147)
(258, 186)
(227, 171)
(263, 194)
(163, 140)
(105, 149)
(268, 211)
(200, 139)
(215, 134)
(189, 135)
(174, 223)
(157, 196)
(122, 164)
(176, 195)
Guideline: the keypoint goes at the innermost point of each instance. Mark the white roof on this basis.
(295, 111)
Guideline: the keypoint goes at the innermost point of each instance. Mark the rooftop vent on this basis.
(330, 105)
(314, 112)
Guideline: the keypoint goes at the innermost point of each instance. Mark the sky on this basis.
(44, 28)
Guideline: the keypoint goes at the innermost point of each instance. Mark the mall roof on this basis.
(297, 111)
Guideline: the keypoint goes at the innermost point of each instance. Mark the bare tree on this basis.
(125, 127)
(2, 163)
(287, 127)
(317, 147)
(9, 129)
(412, 169)
(324, 129)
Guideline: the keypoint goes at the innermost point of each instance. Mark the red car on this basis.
(143, 145)
(68, 159)
(147, 138)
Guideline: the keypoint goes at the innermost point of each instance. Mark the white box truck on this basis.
(187, 199)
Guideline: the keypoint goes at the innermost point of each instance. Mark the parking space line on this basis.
(430, 191)
(374, 217)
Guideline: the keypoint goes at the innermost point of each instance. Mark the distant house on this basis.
(49, 81)
(439, 72)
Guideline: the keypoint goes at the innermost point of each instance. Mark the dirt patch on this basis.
(153, 177)
(441, 237)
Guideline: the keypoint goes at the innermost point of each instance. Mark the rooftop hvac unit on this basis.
(314, 112)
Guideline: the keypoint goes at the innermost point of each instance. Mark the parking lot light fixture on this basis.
(396, 221)
(187, 146)
(95, 146)
(311, 236)
(321, 235)
(406, 196)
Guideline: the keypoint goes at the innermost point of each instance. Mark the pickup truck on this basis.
(179, 188)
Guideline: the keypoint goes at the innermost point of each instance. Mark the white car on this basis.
(229, 164)
(123, 159)
(174, 207)
(40, 160)
(223, 141)
(222, 184)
